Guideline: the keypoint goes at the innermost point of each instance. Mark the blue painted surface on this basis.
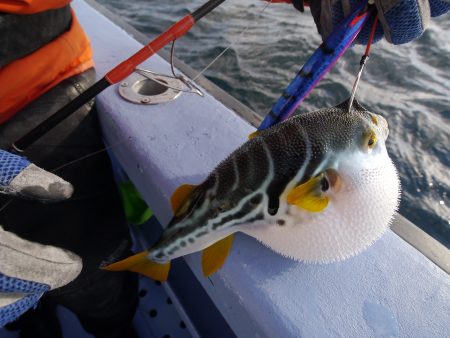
(380, 319)
(389, 290)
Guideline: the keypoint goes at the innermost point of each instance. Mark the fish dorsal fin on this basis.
(215, 255)
(309, 195)
(355, 105)
(141, 264)
(180, 196)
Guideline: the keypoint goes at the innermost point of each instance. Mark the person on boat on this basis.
(402, 21)
(46, 61)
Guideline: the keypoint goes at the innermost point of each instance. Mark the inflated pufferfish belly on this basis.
(319, 187)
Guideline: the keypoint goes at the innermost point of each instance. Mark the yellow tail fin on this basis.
(215, 255)
(141, 264)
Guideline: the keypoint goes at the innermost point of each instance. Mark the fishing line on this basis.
(106, 148)
(176, 76)
(85, 157)
(189, 84)
(115, 75)
(141, 71)
(192, 88)
(362, 63)
(7, 204)
(238, 39)
(172, 52)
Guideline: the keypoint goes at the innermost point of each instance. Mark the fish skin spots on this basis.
(281, 222)
(173, 250)
(201, 234)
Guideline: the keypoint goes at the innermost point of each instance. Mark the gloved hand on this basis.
(21, 178)
(27, 270)
(401, 20)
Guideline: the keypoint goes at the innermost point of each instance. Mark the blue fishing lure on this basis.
(317, 66)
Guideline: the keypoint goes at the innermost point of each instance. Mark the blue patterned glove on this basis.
(401, 20)
(27, 270)
(20, 177)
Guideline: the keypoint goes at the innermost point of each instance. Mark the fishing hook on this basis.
(152, 76)
(191, 87)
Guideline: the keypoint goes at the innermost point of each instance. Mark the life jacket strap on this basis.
(21, 35)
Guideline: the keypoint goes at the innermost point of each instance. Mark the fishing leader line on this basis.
(188, 82)
(363, 61)
(238, 39)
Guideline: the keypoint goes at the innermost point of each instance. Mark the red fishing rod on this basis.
(115, 75)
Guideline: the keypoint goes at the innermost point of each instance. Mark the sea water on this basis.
(408, 84)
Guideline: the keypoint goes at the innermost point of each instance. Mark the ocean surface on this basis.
(408, 84)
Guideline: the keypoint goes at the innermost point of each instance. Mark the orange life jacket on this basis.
(27, 78)
(30, 6)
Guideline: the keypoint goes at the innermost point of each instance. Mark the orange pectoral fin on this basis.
(141, 264)
(180, 196)
(215, 255)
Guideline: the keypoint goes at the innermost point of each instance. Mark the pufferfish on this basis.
(319, 187)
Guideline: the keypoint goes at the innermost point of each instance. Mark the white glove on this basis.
(29, 269)
(21, 178)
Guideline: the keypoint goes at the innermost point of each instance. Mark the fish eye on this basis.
(370, 139)
(324, 184)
